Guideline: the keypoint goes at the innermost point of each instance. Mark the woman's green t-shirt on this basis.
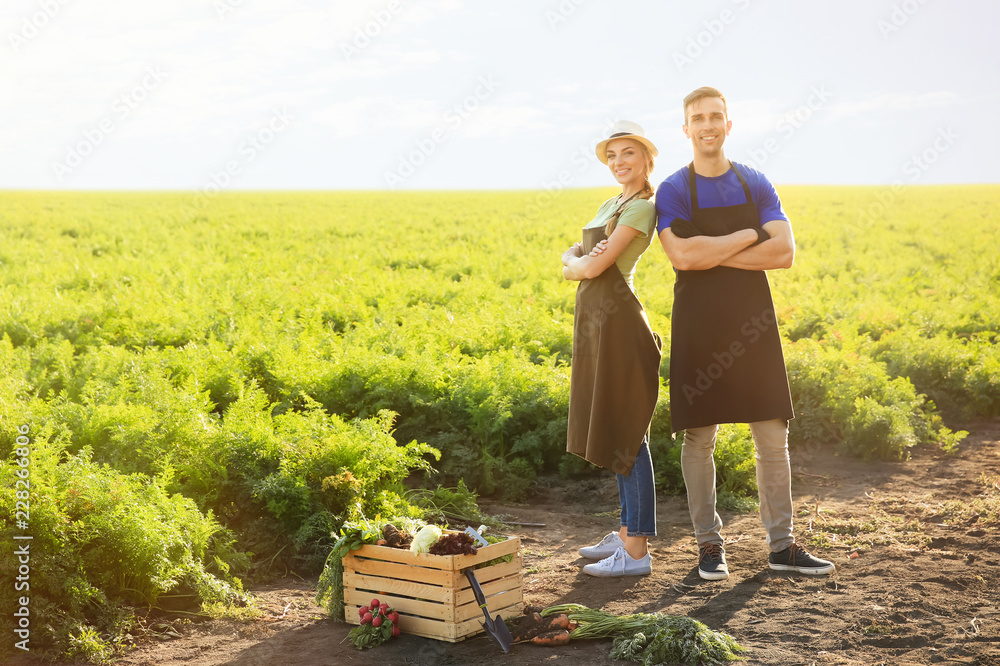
(640, 214)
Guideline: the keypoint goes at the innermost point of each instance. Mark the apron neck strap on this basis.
(622, 205)
(746, 188)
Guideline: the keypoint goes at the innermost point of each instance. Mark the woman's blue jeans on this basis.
(637, 493)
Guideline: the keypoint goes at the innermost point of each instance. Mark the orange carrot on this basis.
(558, 622)
(552, 638)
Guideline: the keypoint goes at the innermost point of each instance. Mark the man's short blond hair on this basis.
(702, 93)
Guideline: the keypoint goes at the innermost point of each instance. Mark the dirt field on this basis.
(924, 587)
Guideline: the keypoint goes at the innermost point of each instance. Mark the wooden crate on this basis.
(431, 593)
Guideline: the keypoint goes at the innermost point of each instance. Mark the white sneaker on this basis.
(620, 564)
(608, 546)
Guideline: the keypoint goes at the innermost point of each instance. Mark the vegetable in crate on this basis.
(425, 538)
(378, 625)
(454, 544)
(396, 538)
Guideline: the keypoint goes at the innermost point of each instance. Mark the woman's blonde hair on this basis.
(645, 193)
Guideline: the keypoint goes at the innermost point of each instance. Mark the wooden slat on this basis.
(451, 632)
(402, 556)
(487, 574)
(421, 626)
(498, 603)
(421, 607)
(400, 572)
(495, 601)
(428, 609)
(381, 586)
(446, 562)
(497, 586)
(445, 631)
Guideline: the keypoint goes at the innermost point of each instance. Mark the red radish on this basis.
(384, 607)
(362, 611)
(393, 616)
(377, 622)
(366, 618)
(374, 603)
(395, 630)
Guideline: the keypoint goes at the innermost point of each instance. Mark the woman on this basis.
(616, 357)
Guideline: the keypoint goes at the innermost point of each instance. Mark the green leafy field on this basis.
(210, 389)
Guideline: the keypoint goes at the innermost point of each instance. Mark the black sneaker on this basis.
(795, 558)
(712, 562)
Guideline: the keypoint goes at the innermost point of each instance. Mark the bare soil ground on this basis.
(916, 544)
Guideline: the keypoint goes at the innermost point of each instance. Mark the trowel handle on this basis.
(476, 589)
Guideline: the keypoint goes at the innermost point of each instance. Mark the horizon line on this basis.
(201, 192)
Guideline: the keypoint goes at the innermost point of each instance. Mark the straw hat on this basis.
(628, 130)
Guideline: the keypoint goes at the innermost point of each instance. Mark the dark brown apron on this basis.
(726, 364)
(615, 374)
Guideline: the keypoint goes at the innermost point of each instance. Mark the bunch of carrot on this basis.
(553, 630)
(651, 638)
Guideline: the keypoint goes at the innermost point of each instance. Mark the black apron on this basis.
(726, 364)
(615, 375)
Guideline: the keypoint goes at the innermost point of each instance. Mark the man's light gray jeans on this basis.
(774, 482)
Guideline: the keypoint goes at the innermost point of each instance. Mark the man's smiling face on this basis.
(707, 125)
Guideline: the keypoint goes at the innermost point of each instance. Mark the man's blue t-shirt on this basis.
(673, 196)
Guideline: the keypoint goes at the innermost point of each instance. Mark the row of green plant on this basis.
(260, 370)
(141, 498)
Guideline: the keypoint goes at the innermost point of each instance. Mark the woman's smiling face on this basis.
(627, 161)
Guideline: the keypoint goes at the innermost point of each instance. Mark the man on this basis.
(722, 226)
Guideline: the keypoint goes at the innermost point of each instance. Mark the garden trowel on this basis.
(495, 627)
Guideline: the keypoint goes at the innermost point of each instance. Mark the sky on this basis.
(216, 95)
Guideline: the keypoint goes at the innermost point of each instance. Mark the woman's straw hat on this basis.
(625, 129)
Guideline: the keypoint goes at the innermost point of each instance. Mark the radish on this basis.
(378, 625)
